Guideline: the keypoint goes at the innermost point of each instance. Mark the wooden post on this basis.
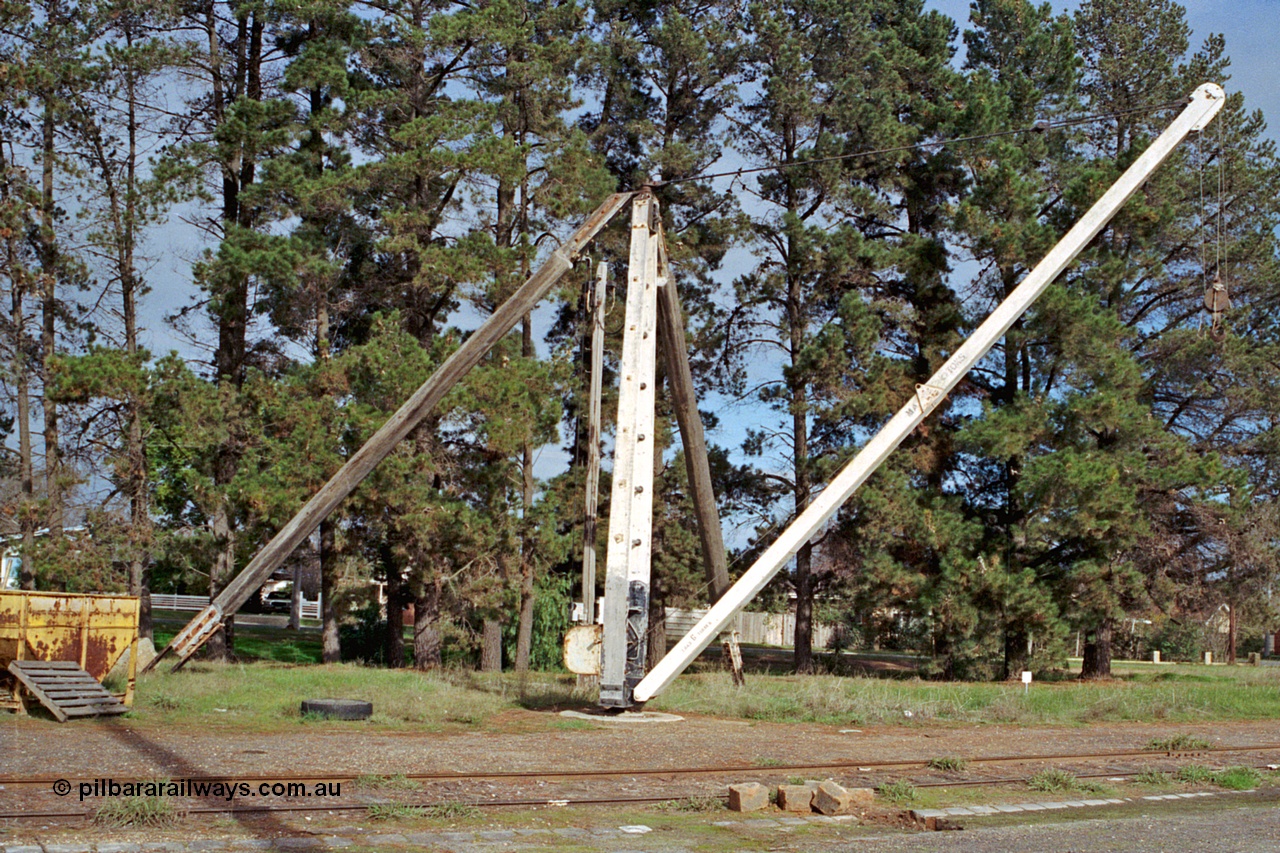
(685, 403)
(626, 590)
(399, 425)
(593, 445)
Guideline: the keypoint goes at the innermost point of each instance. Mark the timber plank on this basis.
(65, 689)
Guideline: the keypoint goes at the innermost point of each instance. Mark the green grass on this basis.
(265, 694)
(1239, 693)
(451, 811)
(268, 696)
(948, 763)
(1237, 778)
(395, 811)
(1177, 743)
(899, 792)
(1195, 774)
(151, 812)
(1052, 780)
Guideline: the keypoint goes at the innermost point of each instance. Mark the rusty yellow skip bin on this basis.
(93, 631)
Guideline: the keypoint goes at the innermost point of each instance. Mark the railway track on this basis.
(722, 769)
(870, 772)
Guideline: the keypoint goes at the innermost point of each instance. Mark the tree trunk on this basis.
(1097, 652)
(656, 647)
(393, 643)
(524, 629)
(221, 645)
(491, 646)
(331, 648)
(1016, 653)
(136, 447)
(48, 336)
(22, 390)
(427, 638)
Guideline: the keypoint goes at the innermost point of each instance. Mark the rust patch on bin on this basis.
(54, 626)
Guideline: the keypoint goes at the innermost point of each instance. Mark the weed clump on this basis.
(151, 812)
(898, 792)
(451, 811)
(395, 811)
(1196, 774)
(1177, 743)
(948, 763)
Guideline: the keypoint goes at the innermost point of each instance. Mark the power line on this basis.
(1038, 127)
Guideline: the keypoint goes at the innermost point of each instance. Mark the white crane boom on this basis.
(1204, 104)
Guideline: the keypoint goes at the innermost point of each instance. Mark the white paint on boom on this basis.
(1205, 103)
(628, 551)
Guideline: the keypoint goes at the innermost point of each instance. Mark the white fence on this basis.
(766, 629)
(164, 601)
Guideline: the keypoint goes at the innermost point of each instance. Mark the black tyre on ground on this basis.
(338, 709)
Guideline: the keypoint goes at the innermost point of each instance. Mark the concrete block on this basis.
(832, 799)
(499, 835)
(983, 810)
(761, 823)
(1032, 807)
(862, 796)
(958, 810)
(117, 847)
(1009, 809)
(748, 797)
(335, 842)
(925, 814)
(1095, 802)
(795, 798)
(793, 821)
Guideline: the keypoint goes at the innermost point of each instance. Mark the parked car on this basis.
(278, 601)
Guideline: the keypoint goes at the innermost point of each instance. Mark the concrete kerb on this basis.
(625, 718)
(923, 816)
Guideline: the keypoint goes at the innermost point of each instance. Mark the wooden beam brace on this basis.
(685, 403)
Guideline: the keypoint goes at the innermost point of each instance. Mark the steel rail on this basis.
(456, 775)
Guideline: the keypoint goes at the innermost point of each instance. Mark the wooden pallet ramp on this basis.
(65, 689)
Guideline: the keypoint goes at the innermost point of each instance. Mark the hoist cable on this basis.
(1038, 127)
